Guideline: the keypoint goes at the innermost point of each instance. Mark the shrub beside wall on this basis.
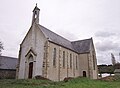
(7, 74)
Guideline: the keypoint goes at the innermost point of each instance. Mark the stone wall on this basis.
(33, 44)
(58, 72)
(6, 73)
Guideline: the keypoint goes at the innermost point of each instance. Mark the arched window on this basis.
(70, 60)
(35, 14)
(76, 62)
(54, 57)
(63, 59)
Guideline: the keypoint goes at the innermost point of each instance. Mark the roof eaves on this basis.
(64, 46)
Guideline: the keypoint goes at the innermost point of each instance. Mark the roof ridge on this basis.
(81, 40)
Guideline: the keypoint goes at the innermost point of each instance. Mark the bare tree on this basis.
(113, 59)
(1, 47)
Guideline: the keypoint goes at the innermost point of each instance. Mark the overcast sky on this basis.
(72, 19)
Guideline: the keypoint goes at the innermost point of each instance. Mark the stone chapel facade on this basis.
(47, 54)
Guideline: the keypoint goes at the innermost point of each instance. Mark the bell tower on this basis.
(35, 17)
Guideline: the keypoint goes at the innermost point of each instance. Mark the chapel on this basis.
(49, 55)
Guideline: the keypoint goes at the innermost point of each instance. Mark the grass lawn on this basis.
(74, 83)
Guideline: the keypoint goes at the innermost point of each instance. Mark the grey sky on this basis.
(73, 19)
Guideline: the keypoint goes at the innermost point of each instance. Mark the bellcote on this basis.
(35, 17)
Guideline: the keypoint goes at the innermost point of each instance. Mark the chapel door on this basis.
(30, 70)
(84, 73)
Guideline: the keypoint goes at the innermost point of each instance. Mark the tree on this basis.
(102, 69)
(1, 47)
(105, 69)
(113, 59)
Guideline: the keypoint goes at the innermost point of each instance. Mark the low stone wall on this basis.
(7, 74)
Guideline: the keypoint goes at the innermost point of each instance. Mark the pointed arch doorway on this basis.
(30, 64)
(30, 70)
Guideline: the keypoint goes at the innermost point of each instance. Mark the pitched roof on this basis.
(8, 62)
(55, 38)
(81, 46)
(36, 8)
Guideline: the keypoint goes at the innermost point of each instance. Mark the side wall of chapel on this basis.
(84, 64)
(59, 72)
(88, 63)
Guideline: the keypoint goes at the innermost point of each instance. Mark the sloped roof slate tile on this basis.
(81, 46)
(8, 62)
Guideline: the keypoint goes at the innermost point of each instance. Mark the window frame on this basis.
(54, 56)
(63, 59)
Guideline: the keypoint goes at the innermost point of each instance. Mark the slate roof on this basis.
(8, 62)
(81, 46)
(55, 38)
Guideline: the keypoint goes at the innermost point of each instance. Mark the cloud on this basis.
(104, 59)
(106, 45)
(104, 34)
(107, 42)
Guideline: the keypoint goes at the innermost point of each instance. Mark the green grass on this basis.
(74, 83)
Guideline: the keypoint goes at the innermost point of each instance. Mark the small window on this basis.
(54, 57)
(63, 59)
(70, 60)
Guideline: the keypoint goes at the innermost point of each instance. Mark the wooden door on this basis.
(30, 70)
(84, 73)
